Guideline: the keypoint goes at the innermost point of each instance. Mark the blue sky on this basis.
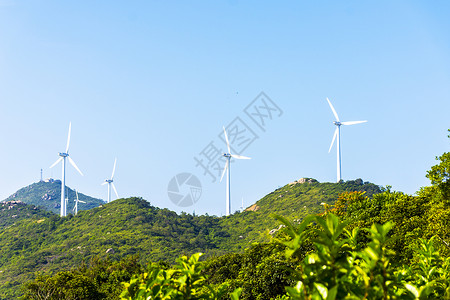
(153, 82)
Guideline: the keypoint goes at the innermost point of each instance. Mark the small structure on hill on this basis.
(304, 180)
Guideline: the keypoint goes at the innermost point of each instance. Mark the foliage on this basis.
(261, 271)
(129, 226)
(408, 214)
(12, 212)
(294, 201)
(439, 176)
(336, 270)
(100, 279)
(118, 229)
(184, 281)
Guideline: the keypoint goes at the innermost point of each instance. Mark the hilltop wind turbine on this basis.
(110, 183)
(63, 156)
(228, 156)
(337, 133)
(75, 209)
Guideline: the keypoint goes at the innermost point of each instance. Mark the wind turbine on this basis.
(110, 183)
(63, 156)
(337, 133)
(75, 209)
(228, 156)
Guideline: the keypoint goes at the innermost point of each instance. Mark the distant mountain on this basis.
(47, 194)
(132, 226)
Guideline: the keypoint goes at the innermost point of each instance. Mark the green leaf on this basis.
(412, 289)
(323, 291)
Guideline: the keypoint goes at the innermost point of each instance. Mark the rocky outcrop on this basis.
(304, 180)
(254, 207)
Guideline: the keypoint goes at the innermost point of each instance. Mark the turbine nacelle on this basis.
(337, 123)
(227, 155)
(62, 154)
(109, 180)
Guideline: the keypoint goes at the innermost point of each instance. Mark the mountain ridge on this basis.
(47, 194)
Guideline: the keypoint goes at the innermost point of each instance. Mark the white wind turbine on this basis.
(337, 133)
(75, 209)
(110, 183)
(228, 156)
(63, 156)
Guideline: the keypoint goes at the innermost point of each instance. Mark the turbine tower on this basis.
(75, 209)
(110, 183)
(337, 134)
(63, 156)
(228, 156)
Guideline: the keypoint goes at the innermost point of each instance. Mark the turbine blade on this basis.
(224, 170)
(239, 156)
(334, 137)
(68, 137)
(226, 138)
(74, 165)
(81, 201)
(77, 194)
(352, 122)
(114, 188)
(334, 111)
(56, 162)
(114, 169)
(104, 183)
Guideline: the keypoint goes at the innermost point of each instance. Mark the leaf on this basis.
(412, 289)
(236, 294)
(332, 293)
(323, 291)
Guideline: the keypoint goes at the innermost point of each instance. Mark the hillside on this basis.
(47, 194)
(117, 229)
(294, 201)
(12, 212)
(132, 226)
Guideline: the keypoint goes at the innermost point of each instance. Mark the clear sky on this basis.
(153, 82)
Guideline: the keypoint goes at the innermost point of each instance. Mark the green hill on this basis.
(294, 201)
(47, 194)
(132, 226)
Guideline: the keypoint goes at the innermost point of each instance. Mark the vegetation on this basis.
(337, 267)
(48, 244)
(100, 279)
(12, 212)
(294, 201)
(184, 281)
(349, 240)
